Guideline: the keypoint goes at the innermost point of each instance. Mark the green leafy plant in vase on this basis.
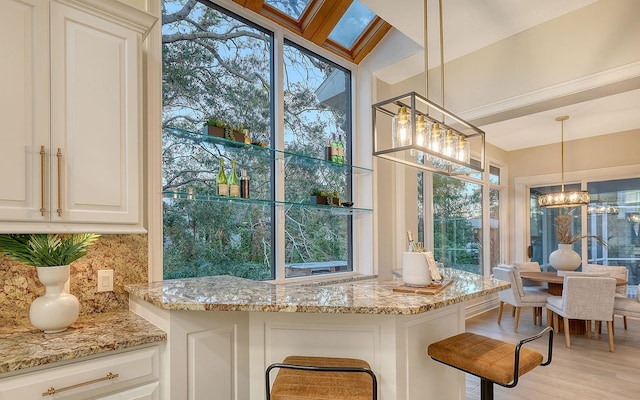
(51, 255)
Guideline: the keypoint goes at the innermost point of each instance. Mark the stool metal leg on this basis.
(486, 389)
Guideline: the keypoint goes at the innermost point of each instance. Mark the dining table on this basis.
(554, 286)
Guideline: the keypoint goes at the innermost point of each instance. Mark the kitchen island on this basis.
(224, 331)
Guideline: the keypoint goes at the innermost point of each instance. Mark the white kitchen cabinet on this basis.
(146, 392)
(71, 157)
(135, 375)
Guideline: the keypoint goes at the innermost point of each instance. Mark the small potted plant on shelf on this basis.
(218, 128)
(51, 255)
(324, 197)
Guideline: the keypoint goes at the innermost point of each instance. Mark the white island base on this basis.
(223, 354)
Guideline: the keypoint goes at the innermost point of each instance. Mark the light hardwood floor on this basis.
(586, 371)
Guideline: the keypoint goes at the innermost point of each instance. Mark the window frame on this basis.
(280, 36)
(523, 184)
(486, 186)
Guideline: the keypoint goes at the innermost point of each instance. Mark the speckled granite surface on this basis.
(25, 346)
(125, 254)
(226, 293)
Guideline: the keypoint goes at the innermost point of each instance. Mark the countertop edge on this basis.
(232, 294)
(318, 309)
(91, 336)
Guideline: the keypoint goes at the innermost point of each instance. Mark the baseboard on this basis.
(480, 306)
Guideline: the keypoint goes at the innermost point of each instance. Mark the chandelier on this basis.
(572, 198)
(412, 130)
(600, 208)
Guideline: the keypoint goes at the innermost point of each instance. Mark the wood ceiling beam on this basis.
(321, 18)
(253, 5)
(370, 39)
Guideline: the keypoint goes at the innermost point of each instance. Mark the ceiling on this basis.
(599, 104)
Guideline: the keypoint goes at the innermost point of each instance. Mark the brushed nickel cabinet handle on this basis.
(59, 155)
(43, 156)
(51, 391)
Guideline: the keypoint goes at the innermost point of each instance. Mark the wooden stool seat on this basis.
(322, 378)
(493, 361)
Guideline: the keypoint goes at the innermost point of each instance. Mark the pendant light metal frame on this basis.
(562, 199)
(438, 162)
(421, 157)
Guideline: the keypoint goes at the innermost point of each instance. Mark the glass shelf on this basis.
(268, 153)
(337, 210)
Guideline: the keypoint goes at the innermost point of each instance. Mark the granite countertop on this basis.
(24, 346)
(228, 293)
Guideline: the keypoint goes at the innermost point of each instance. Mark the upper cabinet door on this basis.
(96, 159)
(24, 110)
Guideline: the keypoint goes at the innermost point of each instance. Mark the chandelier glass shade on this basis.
(559, 199)
(601, 208)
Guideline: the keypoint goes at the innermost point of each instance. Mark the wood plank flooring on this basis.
(586, 371)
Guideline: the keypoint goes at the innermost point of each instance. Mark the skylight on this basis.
(352, 25)
(292, 8)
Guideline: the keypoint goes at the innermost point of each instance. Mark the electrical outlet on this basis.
(105, 280)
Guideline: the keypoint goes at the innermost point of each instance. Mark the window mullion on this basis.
(278, 143)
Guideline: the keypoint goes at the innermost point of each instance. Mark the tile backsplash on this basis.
(125, 254)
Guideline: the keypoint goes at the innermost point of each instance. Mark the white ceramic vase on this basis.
(56, 309)
(564, 259)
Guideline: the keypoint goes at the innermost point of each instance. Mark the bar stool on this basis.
(493, 361)
(322, 378)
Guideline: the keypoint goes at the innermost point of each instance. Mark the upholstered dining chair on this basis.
(626, 307)
(529, 266)
(518, 296)
(612, 271)
(586, 298)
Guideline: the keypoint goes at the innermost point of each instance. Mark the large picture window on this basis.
(457, 223)
(218, 69)
(613, 215)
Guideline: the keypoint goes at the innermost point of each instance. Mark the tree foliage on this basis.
(217, 65)
(456, 203)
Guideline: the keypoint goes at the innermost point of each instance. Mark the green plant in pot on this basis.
(51, 254)
(219, 128)
(324, 197)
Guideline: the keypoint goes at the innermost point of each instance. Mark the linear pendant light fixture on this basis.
(572, 198)
(412, 130)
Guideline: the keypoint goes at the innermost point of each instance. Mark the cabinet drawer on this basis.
(85, 379)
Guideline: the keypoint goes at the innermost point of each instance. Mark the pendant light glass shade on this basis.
(559, 199)
(401, 128)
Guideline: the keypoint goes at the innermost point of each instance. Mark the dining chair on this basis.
(626, 307)
(518, 296)
(614, 272)
(529, 266)
(585, 298)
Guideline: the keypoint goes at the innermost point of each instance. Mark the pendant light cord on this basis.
(441, 54)
(426, 51)
(562, 119)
